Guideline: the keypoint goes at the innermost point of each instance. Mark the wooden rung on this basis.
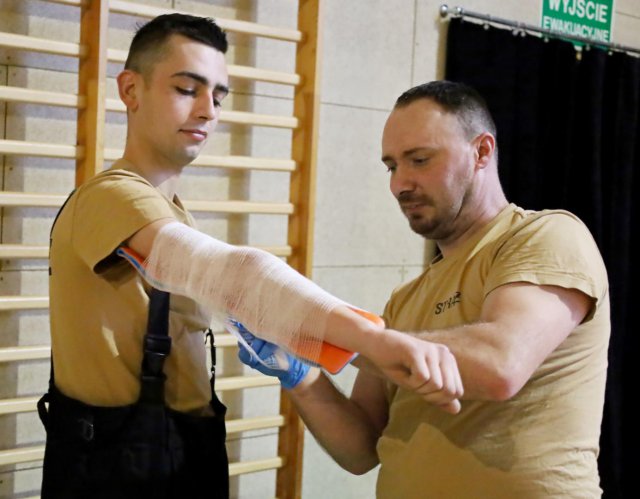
(25, 251)
(39, 149)
(23, 199)
(18, 353)
(28, 404)
(77, 3)
(244, 118)
(241, 468)
(15, 251)
(284, 251)
(13, 354)
(15, 405)
(225, 340)
(31, 199)
(233, 162)
(241, 382)
(36, 453)
(242, 72)
(238, 207)
(23, 303)
(44, 45)
(250, 73)
(17, 94)
(246, 163)
(134, 9)
(235, 117)
(250, 424)
(21, 455)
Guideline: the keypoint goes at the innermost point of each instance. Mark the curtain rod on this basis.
(445, 11)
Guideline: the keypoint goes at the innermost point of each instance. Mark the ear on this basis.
(485, 148)
(129, 83)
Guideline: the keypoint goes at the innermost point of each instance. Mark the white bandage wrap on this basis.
(260, 290)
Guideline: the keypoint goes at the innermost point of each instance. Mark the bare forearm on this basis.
(483, 359)
(347, 329)
(339, 425)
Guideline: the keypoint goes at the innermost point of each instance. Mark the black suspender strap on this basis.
(157, 346)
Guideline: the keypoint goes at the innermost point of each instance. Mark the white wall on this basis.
(372, 51)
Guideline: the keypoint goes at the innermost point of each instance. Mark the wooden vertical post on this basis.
(303, 181)
(92, 84)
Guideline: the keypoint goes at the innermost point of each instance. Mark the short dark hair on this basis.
(457, 98)
(148, 43)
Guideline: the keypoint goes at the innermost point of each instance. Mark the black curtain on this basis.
(569, 137)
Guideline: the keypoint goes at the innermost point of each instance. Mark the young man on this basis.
(173, 84)
(519, 297)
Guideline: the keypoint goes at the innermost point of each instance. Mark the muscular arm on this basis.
(520, 325)
(347, 428)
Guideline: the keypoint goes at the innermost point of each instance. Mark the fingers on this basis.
(452, 407)
(246, 357)
(428, 369)
(434, 375)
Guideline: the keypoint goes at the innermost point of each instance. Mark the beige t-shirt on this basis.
(99, 303)
(543, 442)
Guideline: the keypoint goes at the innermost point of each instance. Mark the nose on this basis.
(206, 109)
(401, 180)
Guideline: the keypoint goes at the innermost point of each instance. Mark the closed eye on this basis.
(419, 161)
(186, 91)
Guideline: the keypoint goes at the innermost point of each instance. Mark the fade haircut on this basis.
(459, 99)
(148, 44)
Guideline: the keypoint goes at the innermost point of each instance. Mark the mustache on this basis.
(409, 197)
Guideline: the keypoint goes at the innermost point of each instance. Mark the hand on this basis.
(271, 359)
(427, 368)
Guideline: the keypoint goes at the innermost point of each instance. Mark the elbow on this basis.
(504, 383)
(362, 466)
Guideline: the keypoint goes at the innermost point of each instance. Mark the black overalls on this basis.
(143, 450)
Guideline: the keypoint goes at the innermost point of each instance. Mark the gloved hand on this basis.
(287, 368)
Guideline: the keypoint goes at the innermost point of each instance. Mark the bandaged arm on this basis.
(285, 299)
(254, 286)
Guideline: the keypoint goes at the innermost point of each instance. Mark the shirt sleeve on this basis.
(555, 249)
(109, 210)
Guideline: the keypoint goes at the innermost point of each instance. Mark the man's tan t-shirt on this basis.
(99, 303)
(543, 442)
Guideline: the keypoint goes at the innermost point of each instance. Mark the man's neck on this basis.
(165, 179)
(482, 216)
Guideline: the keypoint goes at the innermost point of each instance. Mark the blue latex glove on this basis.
(287, 368)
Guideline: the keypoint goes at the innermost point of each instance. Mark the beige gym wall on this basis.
(372, 51)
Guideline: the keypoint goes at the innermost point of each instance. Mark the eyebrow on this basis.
(406, 153)
(201, 79)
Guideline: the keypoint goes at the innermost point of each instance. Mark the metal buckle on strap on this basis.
(87, 430)
(208, 336)
(156, 349)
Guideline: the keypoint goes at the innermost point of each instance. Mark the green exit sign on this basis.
(587, 18)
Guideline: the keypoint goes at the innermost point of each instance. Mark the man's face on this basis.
(431, 162)
(179, 102)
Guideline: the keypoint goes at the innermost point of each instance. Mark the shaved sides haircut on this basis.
(149, 43)
(457, 98)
